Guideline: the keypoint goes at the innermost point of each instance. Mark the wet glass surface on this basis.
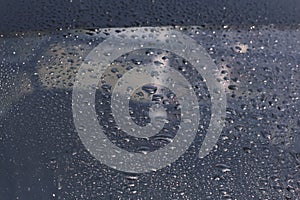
(256, 157)
(46, 154)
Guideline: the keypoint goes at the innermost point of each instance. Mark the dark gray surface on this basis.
(17, 15)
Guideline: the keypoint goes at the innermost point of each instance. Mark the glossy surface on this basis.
(256, 157)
